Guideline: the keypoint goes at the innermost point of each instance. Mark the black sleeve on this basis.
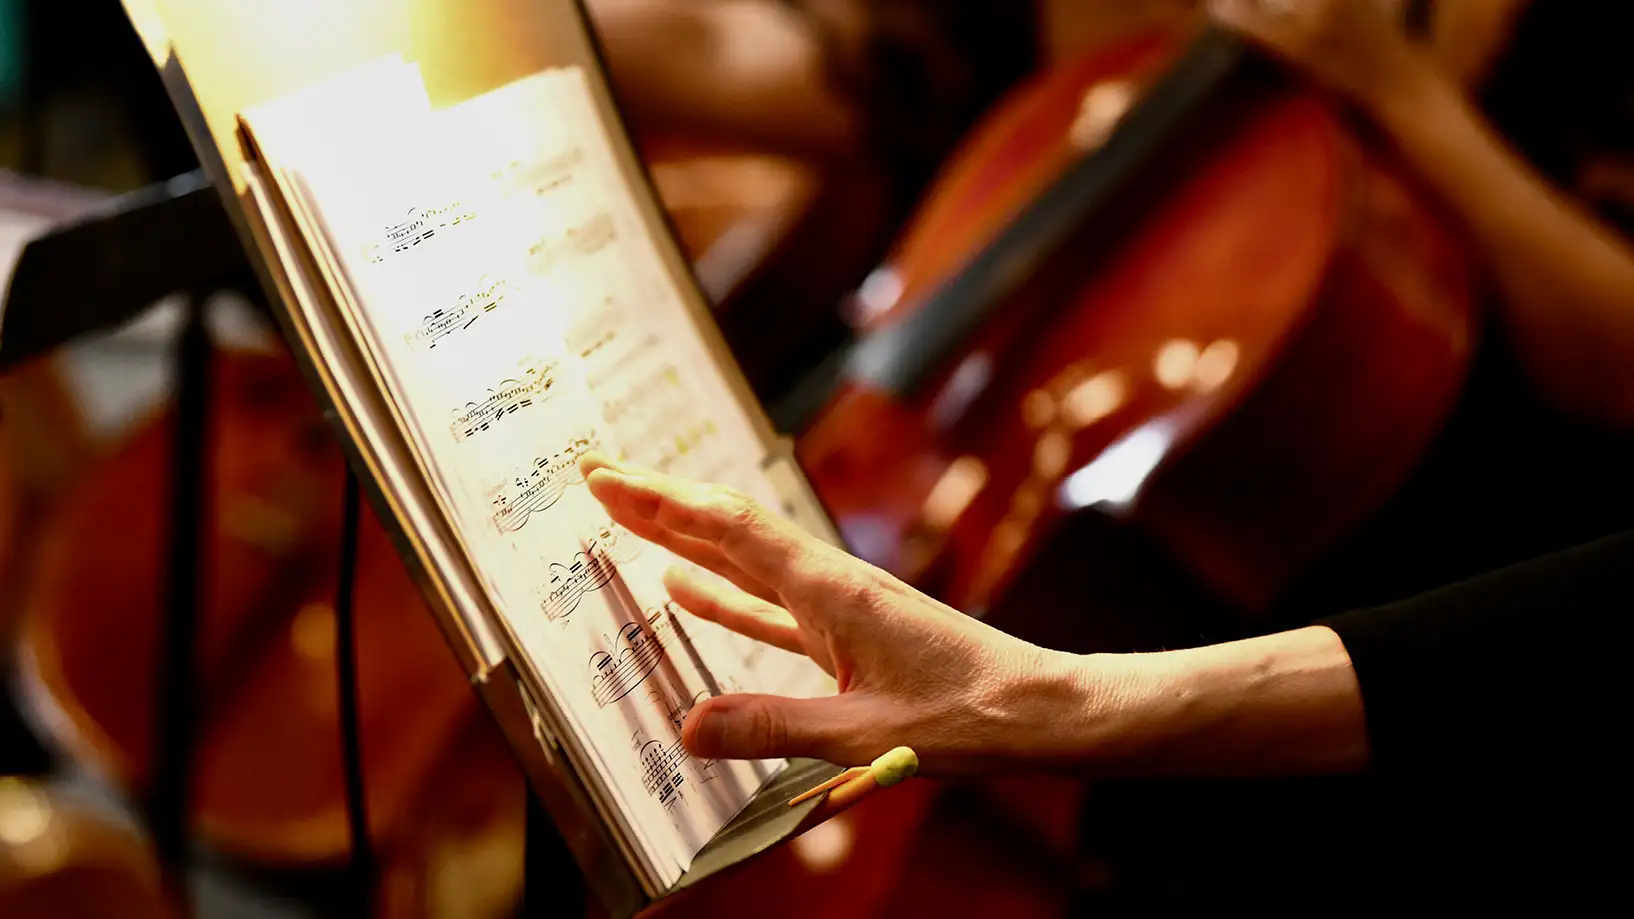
(1522, 672)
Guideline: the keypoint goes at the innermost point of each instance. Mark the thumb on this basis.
(748, 726)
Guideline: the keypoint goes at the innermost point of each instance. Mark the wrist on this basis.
(1283, 704)
(1090, 712)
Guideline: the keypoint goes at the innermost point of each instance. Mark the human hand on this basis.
(1356, 48)
(911, 671)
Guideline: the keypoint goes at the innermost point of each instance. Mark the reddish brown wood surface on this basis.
(1258, 364)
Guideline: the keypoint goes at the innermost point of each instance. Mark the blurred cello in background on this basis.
(1153, 283)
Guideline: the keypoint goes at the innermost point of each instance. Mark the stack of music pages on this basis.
(490, 264)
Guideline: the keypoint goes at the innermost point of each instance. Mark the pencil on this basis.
(846, 789)
(845, 776)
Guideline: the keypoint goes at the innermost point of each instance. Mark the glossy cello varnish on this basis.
(1258, 359)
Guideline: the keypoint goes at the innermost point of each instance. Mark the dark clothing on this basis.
(1495, 711)
(1512, 675)
(1564, 90)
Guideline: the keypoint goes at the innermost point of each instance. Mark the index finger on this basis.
(675, 512)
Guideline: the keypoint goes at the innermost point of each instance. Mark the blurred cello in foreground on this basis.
(63, 858)
(93, 615)
(1159, 283)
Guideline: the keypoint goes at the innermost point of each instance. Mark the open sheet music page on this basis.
(493, 264)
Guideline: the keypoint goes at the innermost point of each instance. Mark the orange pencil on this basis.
(840, 779)
(846, 789)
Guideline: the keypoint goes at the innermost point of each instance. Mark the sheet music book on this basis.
(489, 263)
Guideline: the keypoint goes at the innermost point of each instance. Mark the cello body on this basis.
(1242, 370)
(267, 762)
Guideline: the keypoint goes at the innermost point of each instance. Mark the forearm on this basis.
(1284, 704)
(1566, 283)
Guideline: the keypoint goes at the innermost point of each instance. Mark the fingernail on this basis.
(604, 475)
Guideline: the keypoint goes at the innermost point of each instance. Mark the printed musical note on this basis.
(538, 486)
(488, 295)
(595, 234)
(664, 763)
(567, 584)
(634, 654)
(661, 770)
(419, 226)
(509, 397)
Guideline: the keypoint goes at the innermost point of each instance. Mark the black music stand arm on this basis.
(167, 808)
(97, 271)
(362, 865)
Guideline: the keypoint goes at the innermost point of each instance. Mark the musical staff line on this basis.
(639, 648)
(567, 585)
(420, 225)
(662, 776)
(440, 324)
(538, 486)
(509, 397)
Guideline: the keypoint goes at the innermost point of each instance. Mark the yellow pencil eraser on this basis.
(894, 766)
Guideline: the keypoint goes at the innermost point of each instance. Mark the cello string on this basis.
(168, 805)
(351, 735)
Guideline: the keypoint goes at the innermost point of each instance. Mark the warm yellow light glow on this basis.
(1051, 455)
(1093, 399)
(24, 815)
(1038, 409)
(1215, 364)
(954, 491)
(312, 632)
(1103, 106)
(1007, 539)
(1175, 364)
(825, 846)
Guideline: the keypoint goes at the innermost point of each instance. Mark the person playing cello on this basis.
(1537, 457)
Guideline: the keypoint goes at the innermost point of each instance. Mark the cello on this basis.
(1161, 285)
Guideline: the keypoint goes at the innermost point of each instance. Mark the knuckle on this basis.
(768, 730)
(731, 505)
